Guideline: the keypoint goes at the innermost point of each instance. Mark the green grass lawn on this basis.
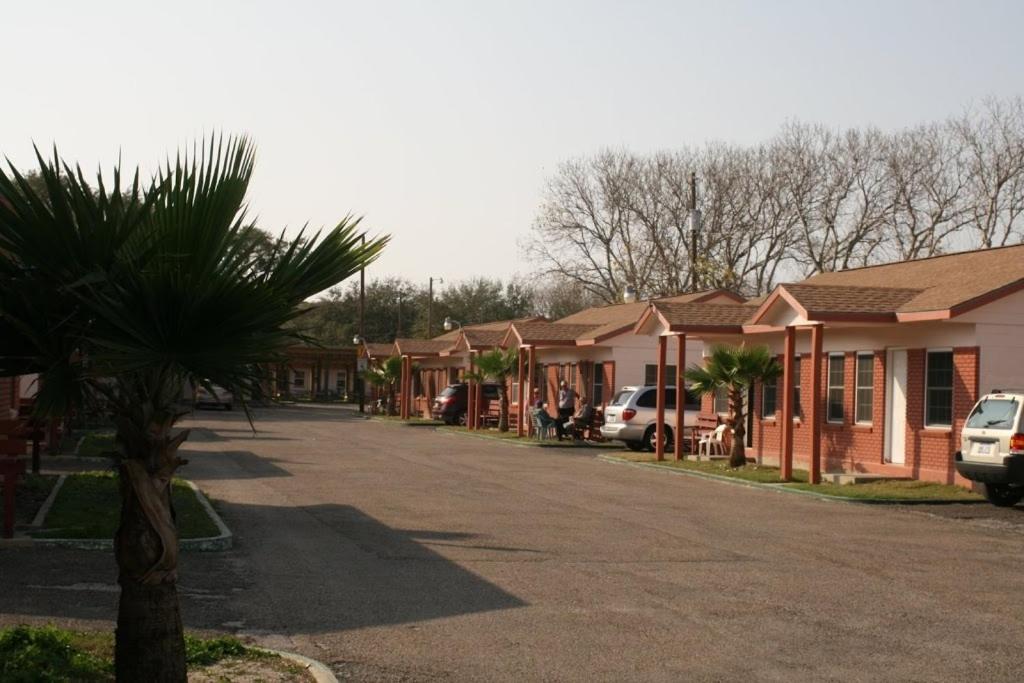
(97, 444)
(893, 490)
(45, 654)
(29, 496)
(412, 421)
(88, 505)
(756, 473)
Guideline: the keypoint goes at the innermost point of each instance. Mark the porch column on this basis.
(531, 362)
(786, 456)
(471, 395)
(520, 401)
(659, 451)
(814, 475)
(404, 387)
(680, 395)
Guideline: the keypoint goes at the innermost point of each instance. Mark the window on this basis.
(769, 398)
(649, 399)
(651, 375)
(597, 392)
(692, 401)
(938, 392)
(299, 379)
(721, 403)
(342, 382)
(835, 387)
(796, 387)
(865, 387)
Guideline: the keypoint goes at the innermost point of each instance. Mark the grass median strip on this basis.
(88, 505)
(47, 653)
(96, 444)
(886, 491)
(513, 438)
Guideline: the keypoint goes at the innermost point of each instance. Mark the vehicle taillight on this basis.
(628, 414)
(1017, 442)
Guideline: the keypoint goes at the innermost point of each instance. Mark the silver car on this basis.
(219, 397)
(631, 416)
(992, 447)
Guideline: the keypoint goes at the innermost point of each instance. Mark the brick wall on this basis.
(930, 450)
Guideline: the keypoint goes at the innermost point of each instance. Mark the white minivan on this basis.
(992, 447)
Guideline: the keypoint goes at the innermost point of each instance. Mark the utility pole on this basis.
(399, 332)
(694, 229)
(362, 330)
(430, 305)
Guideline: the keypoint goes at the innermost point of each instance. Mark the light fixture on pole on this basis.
(450, 324)
(628, 294)
(430, 305)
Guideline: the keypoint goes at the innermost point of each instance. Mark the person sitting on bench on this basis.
(582, 420)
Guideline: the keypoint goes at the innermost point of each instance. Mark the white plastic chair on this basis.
(712, 444)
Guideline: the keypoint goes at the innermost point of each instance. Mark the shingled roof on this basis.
(379, 350)
(547, 334)
(932, 288)
(421, 347)
(698, 317)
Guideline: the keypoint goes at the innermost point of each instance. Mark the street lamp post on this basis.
(430, 305)
(450, 324)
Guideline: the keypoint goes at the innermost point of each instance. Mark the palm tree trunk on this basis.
(737, 449)
(503, 407)
(150, 642)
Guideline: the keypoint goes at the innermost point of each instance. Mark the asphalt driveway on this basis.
(401, 553)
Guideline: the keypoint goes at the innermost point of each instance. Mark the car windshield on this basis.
(621, 398)
(993, 413)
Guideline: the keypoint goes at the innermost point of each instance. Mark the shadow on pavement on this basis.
(247, 465)
(351, 572)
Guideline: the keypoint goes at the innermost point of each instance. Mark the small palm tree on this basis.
(498, 365)
(122, 295)
(386, 376)
(735, 369)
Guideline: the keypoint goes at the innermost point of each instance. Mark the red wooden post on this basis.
(680, 395)
(520, 398)
(814, 475)
(786, 459)
(531, 362)
(471, 395)
(659, 451)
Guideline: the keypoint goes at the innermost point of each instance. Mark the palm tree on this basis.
(735, 369)
(498, 365)
(122, 294)
(386, 376)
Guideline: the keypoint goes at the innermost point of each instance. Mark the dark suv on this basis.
(450, 405)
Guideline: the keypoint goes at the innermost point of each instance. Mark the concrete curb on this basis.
(223, 541)
(318, 670)
(782, 488)
(529, 443)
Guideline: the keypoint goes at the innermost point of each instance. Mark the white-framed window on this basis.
(865, 387)
(651, 374)
(299, 379)
(938, 388)
(597, 390)
(769, 398)
(835, 394)
(721, 404)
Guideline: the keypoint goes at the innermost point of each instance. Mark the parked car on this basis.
(219, 397)
(992, 447)
(450, 405)
(631, 415)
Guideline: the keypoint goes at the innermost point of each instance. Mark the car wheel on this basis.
(651, 439)
(635, 445)
(1002, 495)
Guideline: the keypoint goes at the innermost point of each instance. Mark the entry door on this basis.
(896, 424)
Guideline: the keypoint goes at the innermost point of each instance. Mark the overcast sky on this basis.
(439, 121)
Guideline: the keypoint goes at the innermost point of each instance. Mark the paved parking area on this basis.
(401, 553)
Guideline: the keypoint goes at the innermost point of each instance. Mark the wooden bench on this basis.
(491, 416)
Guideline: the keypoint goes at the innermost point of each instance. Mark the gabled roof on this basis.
(697, 317)
(495, 325)
(421, 347)
(372, 350)
(545, 334)
(935, 288)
